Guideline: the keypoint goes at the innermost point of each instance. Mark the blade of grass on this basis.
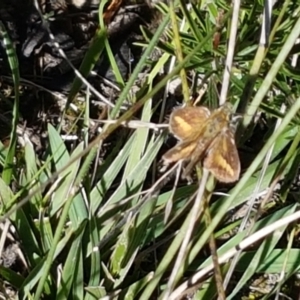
(139, 67)
(95, 270)
(71, 190)
(34, 276)
(71, 264)
(236, 239)
(265, 86)
(31, 170)
(22, 224)
(14, 67)
(265, 249)
(100, 189)
(179, 54)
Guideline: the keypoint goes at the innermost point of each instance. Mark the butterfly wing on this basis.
(182, 150)
(186, 122)
(222, 158)
(196, 156)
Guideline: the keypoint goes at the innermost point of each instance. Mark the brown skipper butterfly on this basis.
(205, 136)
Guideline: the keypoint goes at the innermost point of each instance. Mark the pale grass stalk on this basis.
(183, 249)
(4, 232)
(167, 88)
(134, 124)
(230, 51)
(284, 265)
(252, 239)
(251, 204)
(170, 200)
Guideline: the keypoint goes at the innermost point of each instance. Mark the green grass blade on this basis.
(89, 61)
(71, 264)
(14, 66)
(99, 191)
(264, 251)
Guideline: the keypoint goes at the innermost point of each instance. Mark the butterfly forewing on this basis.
(222, 158)
(186, 123)
(181, 151)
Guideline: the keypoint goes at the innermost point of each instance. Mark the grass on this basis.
(89, 216)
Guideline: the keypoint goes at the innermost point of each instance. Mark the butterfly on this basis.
(207, 137)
